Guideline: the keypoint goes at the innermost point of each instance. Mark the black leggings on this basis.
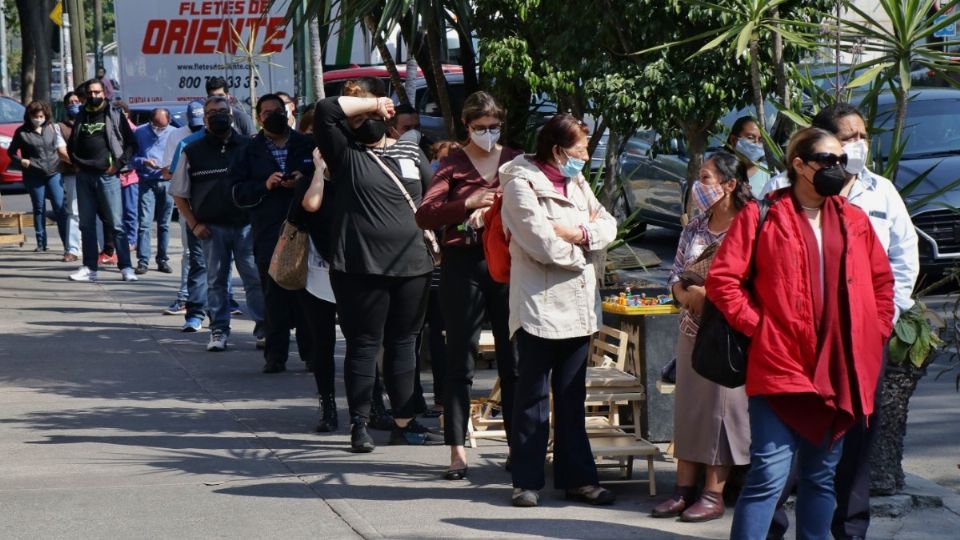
(320, 320)
(380, 311)
(467, 293)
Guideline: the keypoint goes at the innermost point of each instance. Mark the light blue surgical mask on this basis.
(751, 151)
(73, 109)
(572, 167)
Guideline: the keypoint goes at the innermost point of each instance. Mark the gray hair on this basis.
(216, 100)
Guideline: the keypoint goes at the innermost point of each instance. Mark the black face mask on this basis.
(95, 102)
(370, 131)
(276, 122)
(829, 181)
(219, 124)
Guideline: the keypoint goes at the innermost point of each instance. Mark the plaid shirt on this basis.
(279, 154)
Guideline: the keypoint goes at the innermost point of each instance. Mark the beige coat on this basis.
(553, 284)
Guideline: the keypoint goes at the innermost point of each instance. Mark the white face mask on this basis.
(856, 156)
(38, 121)
(487, 141)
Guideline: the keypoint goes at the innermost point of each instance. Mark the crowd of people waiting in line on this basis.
(816, 275)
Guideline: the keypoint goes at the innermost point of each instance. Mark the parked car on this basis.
(140, 113)
(431, 117)
(11, 117)
(655, 183)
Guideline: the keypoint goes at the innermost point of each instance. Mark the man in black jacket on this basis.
(101, 145)
(264, 176)
(201, 190)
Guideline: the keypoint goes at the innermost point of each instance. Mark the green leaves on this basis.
(914, 337)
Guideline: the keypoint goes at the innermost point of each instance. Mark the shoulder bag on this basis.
(720, 352)
(429, 237)
(288, 264)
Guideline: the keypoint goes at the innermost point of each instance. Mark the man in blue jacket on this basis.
(264, 176)
(154, 198)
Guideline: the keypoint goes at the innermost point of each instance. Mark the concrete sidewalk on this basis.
(117, 425)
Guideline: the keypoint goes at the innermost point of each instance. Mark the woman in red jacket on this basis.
(818, 315)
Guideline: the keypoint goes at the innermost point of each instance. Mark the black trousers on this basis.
(281, 313)
(573, 463)
(466, 293)
(380, 311)
(436, 341)
(319, 322)
(851, 483)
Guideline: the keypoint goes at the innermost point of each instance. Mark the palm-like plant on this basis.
(895, 49)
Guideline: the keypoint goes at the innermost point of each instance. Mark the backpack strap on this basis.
(764, 206)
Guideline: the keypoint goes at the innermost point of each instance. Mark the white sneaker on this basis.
(84, 274)
(218, 341)
(127, 274)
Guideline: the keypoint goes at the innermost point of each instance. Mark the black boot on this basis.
(328, 414)
(360, 441)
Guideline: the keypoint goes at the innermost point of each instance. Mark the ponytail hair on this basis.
(732, 169)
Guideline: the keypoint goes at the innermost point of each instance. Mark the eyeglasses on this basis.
(826, 159)
(483, 130)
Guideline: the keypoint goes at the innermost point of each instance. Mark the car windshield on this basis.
(932, 129)
(11, 112)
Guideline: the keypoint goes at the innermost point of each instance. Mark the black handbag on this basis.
(720, 352)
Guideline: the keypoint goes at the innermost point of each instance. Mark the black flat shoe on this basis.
(455, 474)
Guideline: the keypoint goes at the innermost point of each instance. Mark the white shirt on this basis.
(882, 203)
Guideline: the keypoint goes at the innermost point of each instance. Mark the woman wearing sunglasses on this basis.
(462, 191)
(818, 312)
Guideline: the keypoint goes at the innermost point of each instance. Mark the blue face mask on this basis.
(73, 109)
(572, 167)
(435, 165)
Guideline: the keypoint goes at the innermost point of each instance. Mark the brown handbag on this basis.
(288, 265)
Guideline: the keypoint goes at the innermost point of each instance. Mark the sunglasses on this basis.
(826, 159)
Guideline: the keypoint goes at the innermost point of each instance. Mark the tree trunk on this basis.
(316, 59)
(468, 61)
(608, 197)
(41, 29)
(77, 42)
(434, 35)
(758, 95)
(27, 10)
(388, 62)
(780, 69)
(886, 460)
(98, 34)
(696, 139)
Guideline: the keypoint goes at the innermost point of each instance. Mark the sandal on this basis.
(455, 474)
(595, 495)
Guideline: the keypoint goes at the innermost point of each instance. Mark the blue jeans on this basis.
(196, 278)
(131, 212)
(73, 215)
(155, 201)
(100, 194)
(184, 293)
(42, 188)
(772, 449)
(225, 244)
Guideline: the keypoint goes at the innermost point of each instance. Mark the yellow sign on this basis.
(57, 14)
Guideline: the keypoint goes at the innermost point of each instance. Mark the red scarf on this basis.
(832, 410)
(554, 175)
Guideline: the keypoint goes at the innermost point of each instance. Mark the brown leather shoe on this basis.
(672, 507)
(707, 508)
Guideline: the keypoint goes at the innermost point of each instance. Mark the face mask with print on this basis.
(705, 196)
(486, 141)
(572, 167)
(37, 121)
(751, 151)
(856, 156)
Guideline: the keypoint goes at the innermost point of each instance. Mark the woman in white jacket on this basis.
(557, 231)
